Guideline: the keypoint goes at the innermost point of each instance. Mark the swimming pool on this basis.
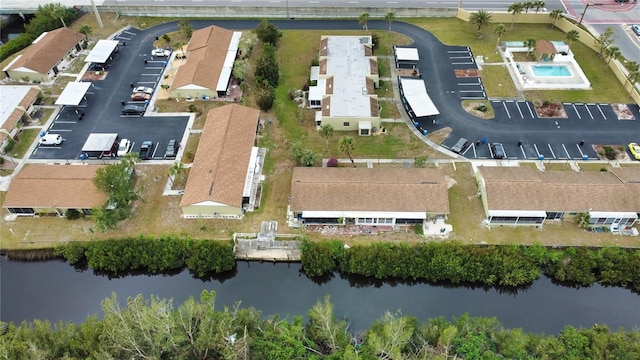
(551, 71)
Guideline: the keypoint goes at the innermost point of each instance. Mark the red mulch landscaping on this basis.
(467, 73)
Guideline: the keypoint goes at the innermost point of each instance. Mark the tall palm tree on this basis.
(632, 78)
(175, 171)
(612, 52)
(389, 17)
(326, 131)
(479, 19)
(347, 144)
(363, 19)
(530, 44)
(499, 31)
(85, 30)
(555, 14)
(572, 35)
(527, 5)
(539, 4)
(515, 9)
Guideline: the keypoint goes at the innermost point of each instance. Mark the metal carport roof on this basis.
(73, 93)
(99, 142)
(415, 92)
(407, 54)
(101, 52)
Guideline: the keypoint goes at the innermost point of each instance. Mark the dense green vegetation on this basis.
(151, 255)
(47, 17)
(154, 329)
(494, 265)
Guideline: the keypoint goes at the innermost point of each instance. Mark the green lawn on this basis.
(27, 137)
(453, 31)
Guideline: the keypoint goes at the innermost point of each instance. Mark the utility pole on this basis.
(95, 11)
(585, 11)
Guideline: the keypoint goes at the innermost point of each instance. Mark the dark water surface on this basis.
(53, 290)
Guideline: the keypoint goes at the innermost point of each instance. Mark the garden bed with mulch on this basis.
(623, 112)
(550, 110)
(464, 73)
(611, 152)
(94, 75)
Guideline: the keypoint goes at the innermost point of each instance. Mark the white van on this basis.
(51, 139)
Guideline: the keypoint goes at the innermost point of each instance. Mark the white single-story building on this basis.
(227, 168)
(42, 59)
(364, 196)
(526, 196)
(346, 78)
(17, 103)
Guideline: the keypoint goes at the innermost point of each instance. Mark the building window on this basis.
(345, 124)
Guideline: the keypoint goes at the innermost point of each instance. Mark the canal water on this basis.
(53, 290)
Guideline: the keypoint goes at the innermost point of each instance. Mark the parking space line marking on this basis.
(122, 37)
(130, 33)
(566, 152)
(589, 110)
(601, 112)
(146, 82)
(467, 91)
(66, 122)
(579, 149)
(457, 51)
(459, 57)
(576, 110)
(469, 84)
(524, 155)
(465, 150)
(507, 110)
(536, 147)
(520, 111)
(472, 97)
(529, 107)
(552, 152)
(461, 63)
(58, 130)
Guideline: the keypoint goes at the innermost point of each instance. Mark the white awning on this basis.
(612, 214)
(101, 52)
(407, 54)
(232, 53)
(364, 125)
(415, 92)
(73, 93)
(252, 170)
(314, 74)
(519, 213)
(99, 142)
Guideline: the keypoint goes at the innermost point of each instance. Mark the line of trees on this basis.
(491, 265)
(155, 329)
(267, 70)
(47, 17)
(120, 257)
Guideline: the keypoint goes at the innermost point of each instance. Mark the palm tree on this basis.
(530, 44)
(515, 9)
(347, 144)
(363, 19)
(527, 5)
(175, 171)
(479, 19)
(572, 35)
(539, 4)
(85, 30)
(555, 14)
(326, 131)
(632, 78)
(389, 17)
(499, 31)
(612, 52)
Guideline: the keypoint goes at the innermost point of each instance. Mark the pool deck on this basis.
(524, 78)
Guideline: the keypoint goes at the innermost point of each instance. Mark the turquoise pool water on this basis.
(551, 70)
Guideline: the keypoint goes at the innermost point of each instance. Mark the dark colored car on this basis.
(497, 151)
(172, 149)
(133, 110)
(146, 150)
(460, 146)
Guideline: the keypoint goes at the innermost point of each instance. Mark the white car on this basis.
(143, 89)
(160, 52)
(125, 147)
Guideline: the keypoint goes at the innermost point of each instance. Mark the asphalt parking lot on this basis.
(102, 110)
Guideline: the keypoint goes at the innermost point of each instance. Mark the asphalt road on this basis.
(436, 65)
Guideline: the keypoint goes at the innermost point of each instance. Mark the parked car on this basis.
(497, 150)
(460, 146)
(140, 96)
(51, 139)
(146, 150)
(636, 29)
(124, 147)
(133, 110)
(160, 52)
(172, 149)
(634, 148)
(143, 89)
